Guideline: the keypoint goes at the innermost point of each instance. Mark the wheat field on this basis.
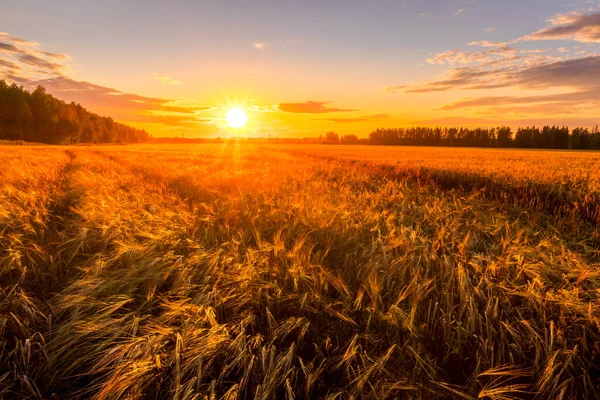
(233, 271)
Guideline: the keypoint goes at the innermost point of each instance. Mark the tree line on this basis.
(40, 117)
(548, 137)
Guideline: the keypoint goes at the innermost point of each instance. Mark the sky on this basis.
(302, 68)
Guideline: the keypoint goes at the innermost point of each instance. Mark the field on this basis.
(231, 271)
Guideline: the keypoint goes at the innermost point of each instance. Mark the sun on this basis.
(236, 117)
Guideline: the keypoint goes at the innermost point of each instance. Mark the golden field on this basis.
(231, 271)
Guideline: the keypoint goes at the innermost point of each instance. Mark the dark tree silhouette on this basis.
(549, 137)
(40, 117)
(331, 138)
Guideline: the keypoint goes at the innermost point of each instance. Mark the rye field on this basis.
(237, 271)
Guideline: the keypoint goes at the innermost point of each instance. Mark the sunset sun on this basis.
(236, 118)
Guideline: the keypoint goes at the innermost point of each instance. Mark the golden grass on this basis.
(237, 271)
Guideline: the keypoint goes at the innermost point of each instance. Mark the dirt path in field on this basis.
(60, 228)
(58, 241)
(47, 270)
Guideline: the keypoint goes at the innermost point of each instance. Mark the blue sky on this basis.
(271, 52)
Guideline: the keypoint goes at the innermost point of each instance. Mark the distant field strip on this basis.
(566, 183)
(231, 271)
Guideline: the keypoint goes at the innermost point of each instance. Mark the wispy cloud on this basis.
(578, 73)
(14, 39)
(38, 62)
(459, 11)
(57, 56)
(26, 58)
(263, 108)
(311, 107)
(491, 29)
(259, 45)
(113, 102)
(9, 47)
(486, 43)
(581, 97)
(166, 80)
(169, 119)
(453, 57)
(570, 71)
(364, 118)
(10, 65)
(584, 28)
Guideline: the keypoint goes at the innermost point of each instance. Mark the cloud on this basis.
(119, 105)
(423, 14)
(378, 116)
(486, 43)
(311, 107)
(548, 110)
(347, 120)
(9, 47)
(14, 39)
(169, 120)
(459, 11)
(373, 117)
(491, 29)
(567, 78)
(259, 45)
(165, 80)
(584, 28)
(504, 65)
(28, 59)
(453, 79)
(571, 97)
(452, 57)
(9, 64)
(578, 73)
(262, 108)
(57, 56)
(38, 62)
(185, 110)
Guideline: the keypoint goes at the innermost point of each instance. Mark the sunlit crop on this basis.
(253, 271)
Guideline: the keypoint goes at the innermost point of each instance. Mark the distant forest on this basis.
(40, 117)
(548, 137)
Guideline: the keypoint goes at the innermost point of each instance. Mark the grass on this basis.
(229, 271)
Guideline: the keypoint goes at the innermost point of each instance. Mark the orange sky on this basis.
(301, 70)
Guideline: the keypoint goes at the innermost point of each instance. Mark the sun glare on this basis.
(236, 117)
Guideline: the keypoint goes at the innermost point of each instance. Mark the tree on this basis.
(331, 138)
(66, 131)
(39, 117)
(15, 114)
(580, 139)
(349, 139)
(504, 137)
(549, 137)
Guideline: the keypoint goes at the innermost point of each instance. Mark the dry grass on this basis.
(238, 271)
